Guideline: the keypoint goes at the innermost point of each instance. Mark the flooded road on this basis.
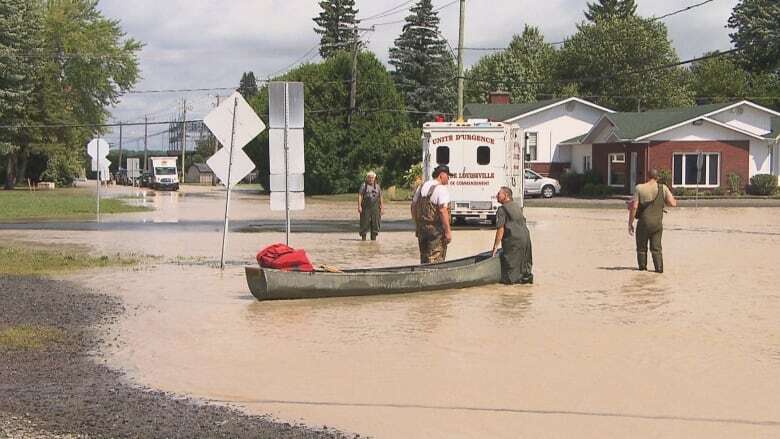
(592, 349)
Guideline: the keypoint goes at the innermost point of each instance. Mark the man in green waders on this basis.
(515, 240)
(648, 208)
(370, 206)
(431, 214)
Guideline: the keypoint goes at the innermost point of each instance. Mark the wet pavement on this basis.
(592, 349)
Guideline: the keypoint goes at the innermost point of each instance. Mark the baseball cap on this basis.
(441, 168)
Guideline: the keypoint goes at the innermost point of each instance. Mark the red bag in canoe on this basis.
(283, 257)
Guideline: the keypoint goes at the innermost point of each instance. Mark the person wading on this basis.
(370, 206)
(515, 240)
(430, 211)
(648, 208)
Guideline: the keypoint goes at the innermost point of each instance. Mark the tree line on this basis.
(382, 132)
(64, 64)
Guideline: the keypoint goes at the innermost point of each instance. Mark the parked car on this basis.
(535, 184)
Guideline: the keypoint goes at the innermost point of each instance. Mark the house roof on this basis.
(635, 125)
(502, 112)
(512, 112)
(202, 167)
(574, 140)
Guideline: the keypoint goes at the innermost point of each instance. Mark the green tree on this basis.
(722, 79)
(424, 70)
(248, 85)
(89, 63)
(609, 9)
(523, 69)
(598, 57)
(337, 156)
(757, 24)
(336, 23)
(20, 59)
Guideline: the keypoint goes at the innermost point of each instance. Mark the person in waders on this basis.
(515, 240)
(370, 206)
(430, 210)
(648, 208)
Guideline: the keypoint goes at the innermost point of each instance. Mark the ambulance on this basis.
(482, 157)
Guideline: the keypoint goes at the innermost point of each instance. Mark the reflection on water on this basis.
(589, 350)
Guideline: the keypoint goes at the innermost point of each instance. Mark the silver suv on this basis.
(535, 184)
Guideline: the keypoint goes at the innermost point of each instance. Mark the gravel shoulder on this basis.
(57, 386)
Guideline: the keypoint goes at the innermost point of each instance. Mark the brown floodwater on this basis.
(592, 349)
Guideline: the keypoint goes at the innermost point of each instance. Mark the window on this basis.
(686, 171)
(483, 155)
(587, 164)
(530, 147)
(617, 169)
(443, 155)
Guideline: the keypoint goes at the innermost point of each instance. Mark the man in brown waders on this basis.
(648, 208)
(430, 210)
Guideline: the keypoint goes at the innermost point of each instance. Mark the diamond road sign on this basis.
(247, 126)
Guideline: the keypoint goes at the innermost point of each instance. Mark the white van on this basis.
(164, 173)
(482, 157)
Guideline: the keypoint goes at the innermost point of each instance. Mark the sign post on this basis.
(234, 124)
(286, 148)
(699, 166)
(98, 149)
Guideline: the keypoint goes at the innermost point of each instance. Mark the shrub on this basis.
(572, 182)
(735, 183)
(62, 167)
(593, 177)
(596, 190)
(413, 176)
(763, 184)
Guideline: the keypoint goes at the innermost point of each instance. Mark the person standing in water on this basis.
(515, 240)
(431, 213)
(370, 206)
(647, 207)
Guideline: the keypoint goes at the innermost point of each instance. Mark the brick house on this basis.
(545, 125)
(738, 138)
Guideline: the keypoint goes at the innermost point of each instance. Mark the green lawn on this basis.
(31, 259)
(18, 205)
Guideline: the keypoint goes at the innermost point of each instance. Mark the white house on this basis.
(546, 125)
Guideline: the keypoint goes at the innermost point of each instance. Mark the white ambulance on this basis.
(482, 157)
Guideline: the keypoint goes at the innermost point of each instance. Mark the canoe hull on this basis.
(270, 284)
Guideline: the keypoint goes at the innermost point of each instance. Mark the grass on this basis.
(29, 337)
(29, 260)
(17, 205)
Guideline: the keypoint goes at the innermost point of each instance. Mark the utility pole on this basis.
(119, 165)
(183, 138)
(353, 79)
(460, 58)
(146, 134)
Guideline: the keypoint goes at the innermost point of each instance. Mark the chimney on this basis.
(499, 97)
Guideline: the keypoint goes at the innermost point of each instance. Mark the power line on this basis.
(403, 20)
(387, 12)
(558, 43)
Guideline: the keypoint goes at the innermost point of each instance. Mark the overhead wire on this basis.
(558, 43)
(386, 13)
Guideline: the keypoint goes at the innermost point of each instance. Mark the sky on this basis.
(209, 43)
